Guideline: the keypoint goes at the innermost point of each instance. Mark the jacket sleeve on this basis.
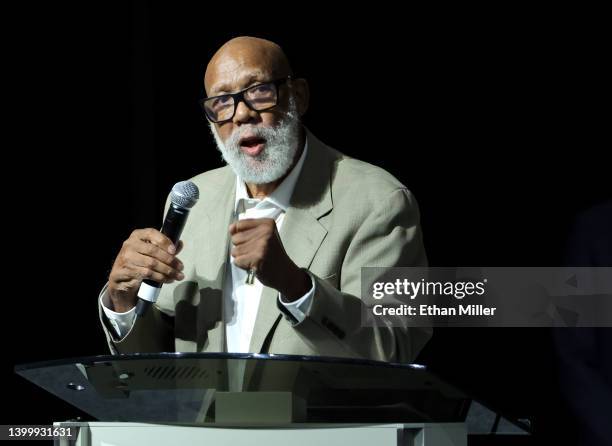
(390, 236)
(154, 332)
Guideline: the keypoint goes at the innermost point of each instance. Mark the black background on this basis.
(494, 119)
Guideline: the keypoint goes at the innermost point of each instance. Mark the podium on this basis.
(247, 399)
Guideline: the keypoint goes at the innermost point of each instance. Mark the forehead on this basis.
(233, 72)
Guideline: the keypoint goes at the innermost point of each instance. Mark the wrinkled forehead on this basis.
(234, 70)
(236, 78)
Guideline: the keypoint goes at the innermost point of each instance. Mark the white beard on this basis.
(275, 160)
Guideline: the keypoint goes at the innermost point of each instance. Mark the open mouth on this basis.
(252, 145)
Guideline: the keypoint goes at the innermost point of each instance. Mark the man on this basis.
(297, 215)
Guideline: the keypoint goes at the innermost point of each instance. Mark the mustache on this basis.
(266, 133)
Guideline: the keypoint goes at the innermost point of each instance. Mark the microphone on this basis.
(184, 195)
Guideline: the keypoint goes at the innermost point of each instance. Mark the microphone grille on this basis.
(184, 194)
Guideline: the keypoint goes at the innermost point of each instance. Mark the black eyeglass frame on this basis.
(238, 97)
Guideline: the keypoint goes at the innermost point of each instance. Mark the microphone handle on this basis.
(172, 228)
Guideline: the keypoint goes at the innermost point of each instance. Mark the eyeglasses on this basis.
(258, 97)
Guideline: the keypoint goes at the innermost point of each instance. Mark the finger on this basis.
(249, 223)
(121, 275)
(245, 262)
(236, 251)
(143, 273)
(177, 264)
(241, 237)
(254, 247)
(151, 263)
(157, 238)
(151, 250)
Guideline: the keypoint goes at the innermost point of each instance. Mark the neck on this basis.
(263, 190)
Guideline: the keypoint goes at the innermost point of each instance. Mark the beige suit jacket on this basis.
(344, 214)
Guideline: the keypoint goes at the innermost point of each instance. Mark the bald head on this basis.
(244, 60)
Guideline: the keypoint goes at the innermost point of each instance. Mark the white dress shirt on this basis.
(241, 300)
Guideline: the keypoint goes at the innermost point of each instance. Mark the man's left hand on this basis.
(257, 245)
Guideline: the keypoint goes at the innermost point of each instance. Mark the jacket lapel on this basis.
(301, 231)
(212, 265)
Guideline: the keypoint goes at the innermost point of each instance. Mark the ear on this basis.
(302, 95)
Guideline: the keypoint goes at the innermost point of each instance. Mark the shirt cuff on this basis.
(121, 322)
(299, 308)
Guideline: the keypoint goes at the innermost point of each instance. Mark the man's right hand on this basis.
(146, 254)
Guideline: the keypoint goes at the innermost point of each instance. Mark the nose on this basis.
(244, 114)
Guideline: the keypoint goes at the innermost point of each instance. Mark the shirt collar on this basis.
(282, 194)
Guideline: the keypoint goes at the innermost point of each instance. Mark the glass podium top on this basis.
(203, 387)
